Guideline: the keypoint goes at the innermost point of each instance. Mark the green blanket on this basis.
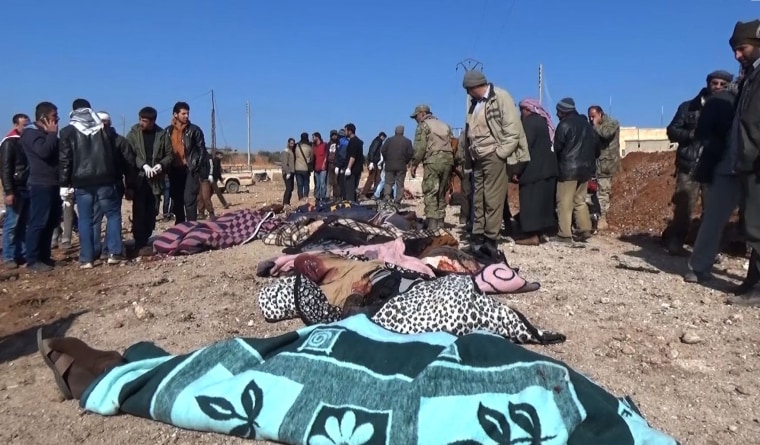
(353, 382)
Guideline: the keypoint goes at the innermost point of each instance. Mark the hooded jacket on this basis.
(87, 156)
(15, 166)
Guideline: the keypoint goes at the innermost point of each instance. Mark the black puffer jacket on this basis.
(373, 154)
(86, 160)
(577, 146)
(15, 167)
(682, 131)
(197, 157)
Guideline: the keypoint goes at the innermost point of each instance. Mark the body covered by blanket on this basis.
(230, 229)
(353, 382)
(401, 301)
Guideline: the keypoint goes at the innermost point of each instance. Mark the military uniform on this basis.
(433, 149)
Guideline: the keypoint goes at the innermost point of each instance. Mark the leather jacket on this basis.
(86, 160)
(682, 130)
(15, 166)
(196, 156)
(577, 146)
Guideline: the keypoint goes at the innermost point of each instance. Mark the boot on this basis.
(602, 224)
(432, 224)
(529, 241)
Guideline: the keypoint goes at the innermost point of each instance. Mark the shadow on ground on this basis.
(24, 342)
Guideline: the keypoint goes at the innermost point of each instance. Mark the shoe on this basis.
(583, 237)
(675, 248)
(39, 267)
(602, 224)
(115, 259)
(529, 241)
(697, 277)
(10, 265)
(744, 300)
(89, 265)
(744, 288)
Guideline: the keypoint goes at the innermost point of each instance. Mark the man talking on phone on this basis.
(40, 144)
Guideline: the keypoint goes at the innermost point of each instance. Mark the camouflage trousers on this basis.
(435, 180)
(603, 193)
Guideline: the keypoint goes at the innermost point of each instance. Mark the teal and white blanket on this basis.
(353, 382)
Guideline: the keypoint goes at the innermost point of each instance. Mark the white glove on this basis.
(148, 171)
(66, 193)
(288, 176)
(337, 170)
(348, 172)
(467, 172)
(157, 169)
(371, 166)
(211, 178)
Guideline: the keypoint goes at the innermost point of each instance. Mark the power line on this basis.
(189, 100)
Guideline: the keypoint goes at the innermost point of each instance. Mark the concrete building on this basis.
(647, 140)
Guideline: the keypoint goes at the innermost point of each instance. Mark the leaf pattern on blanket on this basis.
(221, 409)
(498, 429)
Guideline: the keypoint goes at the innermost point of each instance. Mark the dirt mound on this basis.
(641, 193)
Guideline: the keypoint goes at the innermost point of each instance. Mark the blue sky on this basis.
(314, 66)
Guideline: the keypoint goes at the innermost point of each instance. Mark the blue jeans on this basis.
(14, 228)
(45, 209)
(320, 185)
(381, 185)
(167, 197)
(302, 184)
(92, 199)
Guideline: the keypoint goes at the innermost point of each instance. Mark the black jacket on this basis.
(748, 107)
(713, 133)
(373, 154)
(15, 166)
(126, 160)
(86, 160)
(577, 146)
(195, 150)
(543, 162)
(217, 173)
(682, 130)
(397, 151)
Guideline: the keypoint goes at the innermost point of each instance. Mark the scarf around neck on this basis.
(533, 106)
(178, 142)
(85, 121)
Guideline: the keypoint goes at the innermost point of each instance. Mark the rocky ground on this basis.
(687, 359)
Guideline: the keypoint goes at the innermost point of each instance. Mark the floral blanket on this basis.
(353, 382)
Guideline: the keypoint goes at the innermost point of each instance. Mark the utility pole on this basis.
(540, 83)
(609, 111)
(123, 125)
(213, 122)
(662, 115)
(469, 65)
(248, 122)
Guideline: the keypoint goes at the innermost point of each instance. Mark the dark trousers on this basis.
(288, 189)
(44, 216)
(218, 192)
(466, 214)
(373, 179)
(349, 184)
(394, 178)
(183, 189)
(144, 210)
(750, 201)
(302, 184)
(687, 193)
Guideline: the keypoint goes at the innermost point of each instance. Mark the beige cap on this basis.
(420, 109)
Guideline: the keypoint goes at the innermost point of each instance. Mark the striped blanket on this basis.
(353, 382)
(230, 229)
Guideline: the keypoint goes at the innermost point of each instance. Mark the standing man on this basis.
(153, 158)
(319, 151)
(608, 164)
(432, 148)
(744, 149)
(333, 169)
(217, 174)
(89, 166)
(373, 161)
(40, 143)
(354, 165)
(190, 166)
(682, 130)
(492, 138)
(397, 152)
(15, 172)
(576, 145)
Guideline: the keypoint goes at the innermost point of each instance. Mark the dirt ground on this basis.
(622, 305)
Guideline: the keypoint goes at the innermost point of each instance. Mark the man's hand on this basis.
(371, 166)
(157, 169)
(337, 170)
(9, 200)
(211, 179)
(66, 193)
(287, 176)
(348, 172)
(50, 127)
(148, 171)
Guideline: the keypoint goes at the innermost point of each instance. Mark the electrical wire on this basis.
(188, 101)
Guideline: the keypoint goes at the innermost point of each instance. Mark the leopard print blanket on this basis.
(452, 304)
